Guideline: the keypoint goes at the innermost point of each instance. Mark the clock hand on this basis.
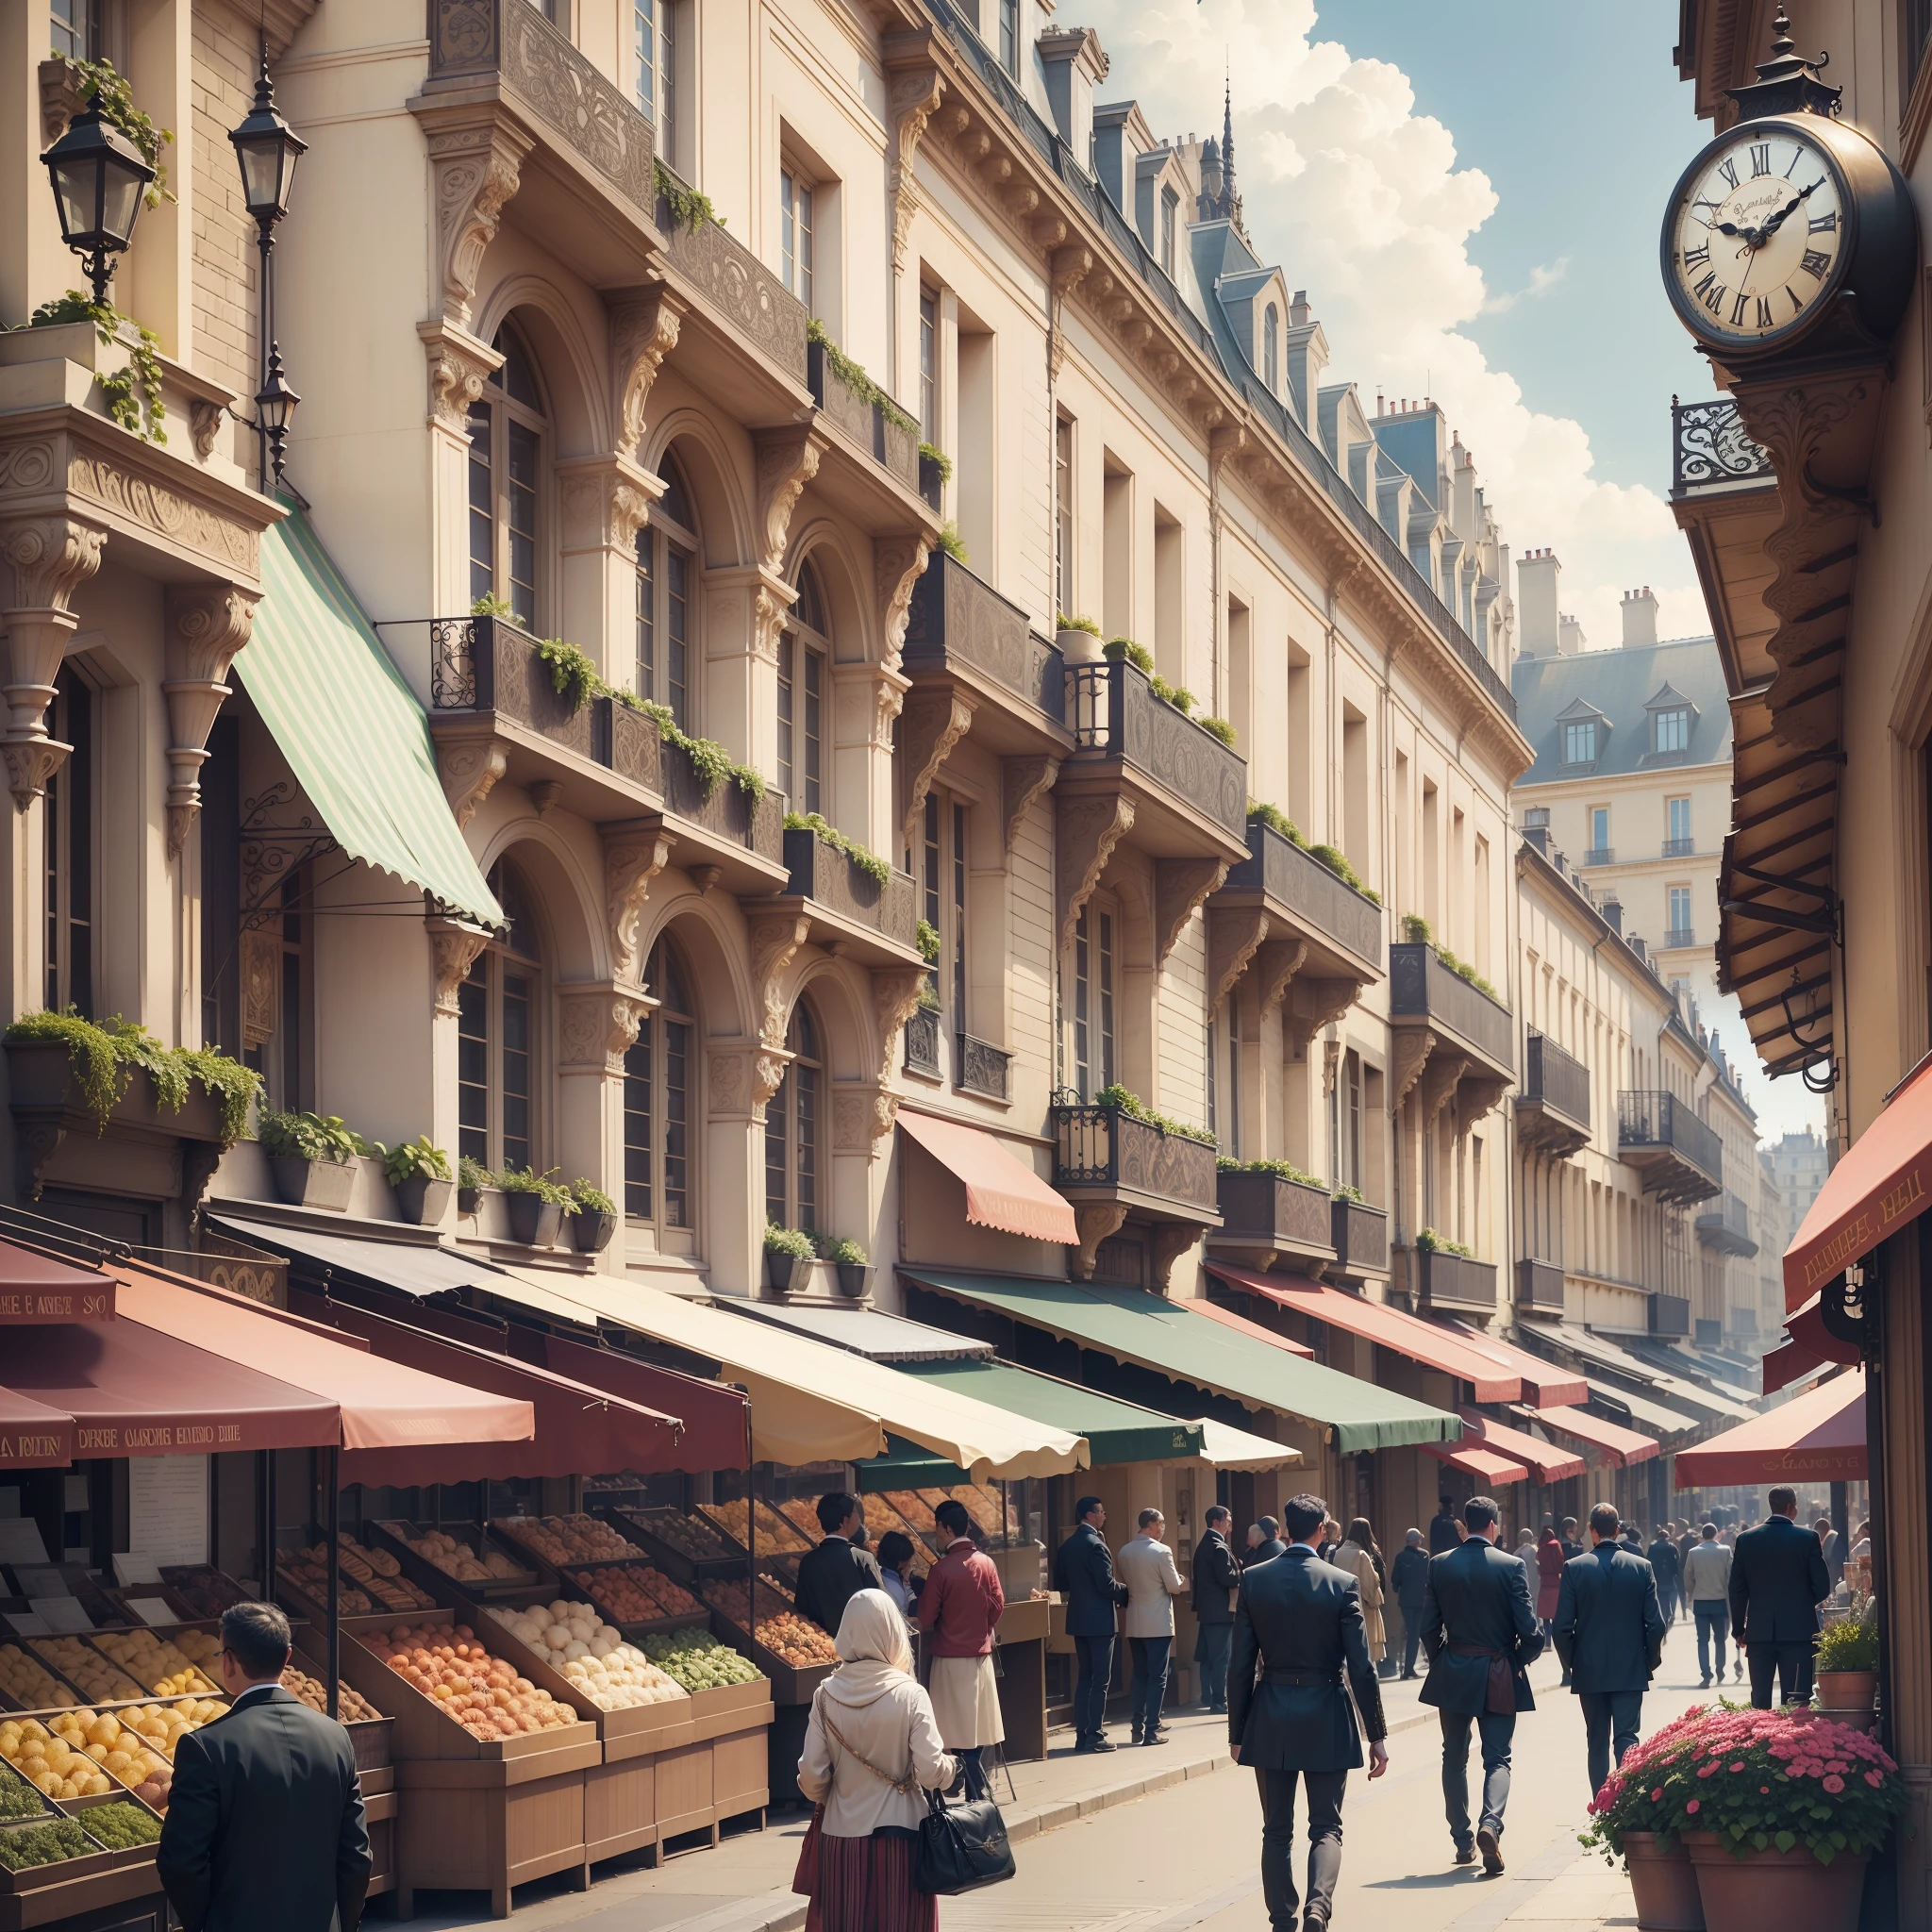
(1789, 209)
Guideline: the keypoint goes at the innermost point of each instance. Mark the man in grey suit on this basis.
(1610, 1631)
(1480, 1630)
(1297, 1631)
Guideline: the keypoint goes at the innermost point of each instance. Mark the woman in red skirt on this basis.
(872, 1750)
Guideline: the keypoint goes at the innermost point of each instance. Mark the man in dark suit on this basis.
(1610, 1631)
(1297, 1631)
(1083, 1574)
(1216, 1577)
(266, 1825)
(1566, 1535)
(1445, 1533)
(1265, 1548)
(1408, 1578)
(1663, 1562)
(1778, 1579)
(830, 1576)
(1480, 1629)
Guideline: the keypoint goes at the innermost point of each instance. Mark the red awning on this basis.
(713, 1415)
(1544, 1460)
(1817, 1436)
(1880, 1184)
(1620, 1446)
(1542, 1381)
(1001, 1191)
(1253, 1330)
(1406, 1335)
(35, 1288)
(32, 1436)
(1484, 1464)
(1791, 1362)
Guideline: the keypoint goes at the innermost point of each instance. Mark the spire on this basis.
(1228, 128)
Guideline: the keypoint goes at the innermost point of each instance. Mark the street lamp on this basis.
(267, 149)
(99, 178)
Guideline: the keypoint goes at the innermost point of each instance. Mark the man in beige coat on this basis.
(1146, 1566)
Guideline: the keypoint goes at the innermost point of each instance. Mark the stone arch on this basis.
(714, 475)
(567, 902)
(566, 362)
(845, 579)
(842, 1003)
(713, 948)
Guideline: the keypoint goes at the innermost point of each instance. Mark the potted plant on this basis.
(1078, 639)
(1632, 1818)
(420, 1174)
(784, 1248)
(309, 1156)
(848, 1258)
(472, 1178)
(592, 1217)
(537, 1205)
(1848, 1665)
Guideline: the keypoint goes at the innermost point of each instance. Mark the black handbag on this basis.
(961, 1846)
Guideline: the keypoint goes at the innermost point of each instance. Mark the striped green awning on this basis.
(351, 729)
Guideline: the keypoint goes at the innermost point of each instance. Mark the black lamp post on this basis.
(99, 178)
(268, 148)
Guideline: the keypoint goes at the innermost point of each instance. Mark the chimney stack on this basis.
(1569, 638)
(1074, 62)
(1537, 623)
(1639, 618)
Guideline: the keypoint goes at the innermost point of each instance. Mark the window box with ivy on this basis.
(859, 410)
(1429, 987)
(1116, 1148)
(1269, 1212)
(851, 890)
(1310, 891)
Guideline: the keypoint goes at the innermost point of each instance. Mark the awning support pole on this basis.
(269, 1513)
(335, 1584)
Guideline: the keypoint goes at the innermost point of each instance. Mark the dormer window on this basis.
(1672, 731)
(1672, 722)
(1585, 734)
(1579, 742)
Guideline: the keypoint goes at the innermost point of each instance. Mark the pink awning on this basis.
(1816, 1437)
(1001, 1191)
(1484, 1464)
(1544, 1460)
(1620, 1446)
(38, 1288)
(1542, 1381)
(1253, 1330)
(32, 1436)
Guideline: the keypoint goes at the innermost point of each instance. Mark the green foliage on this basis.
(844, 1254)
(493, 606)
(1281, 1170)
(952, 542)
(23, 1846)
(572, 673)
(299, 1135)
(102, 85)
(584, 1199)
(413, 1157)
(1850, 1645)
(1277, 820)
(927, 938)
(133, 394)
(690, 209)
(789, 1241)
(867, 860)
(1338, 864)
(1063, 622)
(938, 460)
(1220, 728)
(860, 384)
(708, 758)
(1347, 1190)
(1415, 929)
(1139, 655)
(1180, 698)
(526, 1180)
(929, 998)
(470, 1173)
(1430, 1242)
(1131, 1105)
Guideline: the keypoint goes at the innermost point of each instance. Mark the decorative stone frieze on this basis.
(206, 624)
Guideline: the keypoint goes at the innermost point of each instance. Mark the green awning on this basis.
(1134, 1326)
(350, 727)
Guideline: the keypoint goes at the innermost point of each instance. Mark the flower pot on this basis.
(591, 1229)
(533, 1221)
(854, 1278)
(300, 1182)
(1079, 646)
(778, 1269)
(1847, 1690)
(423, 1199)
(1865, 1719)
(1663, 1883)
(1747, 1892)
(469, 1200)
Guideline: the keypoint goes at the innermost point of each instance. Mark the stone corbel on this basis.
(1095, 1221)
(47, 559)
(1477, 1096)
(898, 563)
(459, 366)
(1180, 886)
(1280, 960)
(914, 88)
(894, 999)
(596, 1026)
(729, 1081)
(888, 700)
(453, 950)
(477, 170)
(469, 768)
(631, 862)
(606, 500)
(1234, 938)
(1171, 1240)
(1445, 1075)
(933, 722)
(788, 460)
(1024, 780)
(206, 624)
(774, 943)
(1408, 1054)
(1317, 1003)
(1087, 831)
(1332, 1066)
(1071, 266)
(643, 333)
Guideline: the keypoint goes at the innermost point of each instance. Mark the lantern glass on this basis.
(267, 148)
(98, 178)
(274, 402)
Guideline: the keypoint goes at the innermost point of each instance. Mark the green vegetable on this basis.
(119, 1825)
(23, 1846)
(699, 1661)
(19, 1799)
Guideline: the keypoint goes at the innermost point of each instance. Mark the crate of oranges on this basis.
(167, 1665)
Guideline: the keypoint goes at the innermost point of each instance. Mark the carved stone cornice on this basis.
(1234, 937)
(1180, 886)
(469, 768)
(596, 1026)
(1024, 780)
(774, 943)
(605, 500)
(934, 720)
(643, 333)
(631, 860)
(476, 170)
(453, 950)
(1087, 830)
(206, 624)
(1408, 1053)
(788, 460)
(898, 562)
(1095, 1221)
(459, 366)
(1280, 960)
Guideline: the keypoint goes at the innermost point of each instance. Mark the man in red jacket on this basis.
(957, 1610)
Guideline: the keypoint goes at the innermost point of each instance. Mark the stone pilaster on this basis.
(206, 624)
(47, 559)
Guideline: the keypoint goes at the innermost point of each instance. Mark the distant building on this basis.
(1801, 1163)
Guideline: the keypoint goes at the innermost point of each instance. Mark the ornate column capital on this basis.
(459, 365)
(453, 950)
(596, 1025)
(46, 559)
(606, 500)
(643, 333)
(206, 626)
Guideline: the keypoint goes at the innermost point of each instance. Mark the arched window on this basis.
(508, 426)
(803, 653)
(659, 1106)
(496, 1036)
(1270, 349)
(667, 543)
(794, 1129)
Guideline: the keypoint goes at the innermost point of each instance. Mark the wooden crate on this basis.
(637, 1524)
(379, 1810)
(127, 1900)
(420, 1570)
(374, 1737)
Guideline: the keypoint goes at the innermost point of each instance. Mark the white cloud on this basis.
(1543, 278)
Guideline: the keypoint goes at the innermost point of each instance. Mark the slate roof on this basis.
(1620, 685)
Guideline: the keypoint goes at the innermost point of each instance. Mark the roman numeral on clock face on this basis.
(1697, 257)
(1760, 159)
(1764, 316)
(1711, 292)
(1728, 169)
(1815, 263)
(1825, 223)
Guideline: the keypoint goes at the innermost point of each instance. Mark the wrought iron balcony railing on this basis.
(922, 1043)
(1679, 936)
(1539, 1287)
(1710, 446)
(979, 1067)
(1111, 709)
(1102, 1147)
(1679, 848)
(1600, 855)
(1555, 1080)
(958, 620)
(1725, 1221)
(1659, 1129)
(1420, 986)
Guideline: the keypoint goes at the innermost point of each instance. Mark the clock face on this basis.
(1755, 239)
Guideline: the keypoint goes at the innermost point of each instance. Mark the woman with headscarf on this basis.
(1549, 1574)
(872, 1750)
(1359, 1557)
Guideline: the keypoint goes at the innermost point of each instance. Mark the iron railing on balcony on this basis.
(1680, 848)
(1649, 1119)
(980, 1067)
(1679, 936)
(861, 419)
(1539, 1287)
(1111, 709)
(1669, 1314)
(1600, 855)
(840, 885)
(1102, 1146)
(1283, 872)
(1555, 1079)
(922, 1043)
(957, 617)
(1267, 1211)
(1359, 1235)
(1421, 985)
(1710, 445)
(1725, 1221)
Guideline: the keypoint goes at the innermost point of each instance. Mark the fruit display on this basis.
(622, 1679)
(87, 1669)
(559, 1631)
(352, 1706)
(636, 1593)
(728, 1595)
(308, 1572)
(881, 1518)
(801, 1512)
(457, 1560)
(775, 1532)
(201, 1647)
(690, 1535)
(206, 1591)
(19, 1799)
(50, 1761)
(451, 1666)
(28, 1685)
(796, 1639)
(156, 1663)
(379, 1574)
(560, 1539)
(120, 1825)
(81, 1753)
(26, 1846)
(981, 1504)
(915, 1509)
(699, 1661)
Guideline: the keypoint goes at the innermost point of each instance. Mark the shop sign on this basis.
(92, 1302)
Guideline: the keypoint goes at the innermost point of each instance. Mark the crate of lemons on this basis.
(89, 1754)
(33, 1835)
(164, 1666)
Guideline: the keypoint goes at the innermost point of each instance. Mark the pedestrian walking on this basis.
(1689, 1537)
(1445, 1532)
(1083, 1574)
(1567, 1537)
(828, 1574)
(266, 1825)
(1828, 1543)
(1707, 1584)
(895, 1568)
(1662, 1558)
(1217, 1576)
(872, 1751)
(1549, 1575)
(1266, 1545)
(1147, 1568)
(959, 1609)
(1778, 1579)
(1609, 1630)
(1480, 1629)
(1298, 1633)
(1357, 1554)
(1408, 1580)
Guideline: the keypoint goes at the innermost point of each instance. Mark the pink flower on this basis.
(1695, 1806)
(1874, 1779)
(1706, 1770)
(1656, 1797)
(1834, 1784)
(1764, 1791)
(1736, 1767)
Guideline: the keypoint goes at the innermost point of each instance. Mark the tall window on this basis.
(1270, 349)
(1679, 821)
(507, 427)
(959, 921)
(1010, 37)
(643, 47)
(929, 367)
(796, 235)
(1673, 731)
(496, 1029)
(659, 1074)
(794, 1130)
(1599, 828)
(68, 851)
(666, 559)
(1093, 999)
(1063, 513)
(802, 654)
(1679, 934)
(75, 29)
(1170, 207)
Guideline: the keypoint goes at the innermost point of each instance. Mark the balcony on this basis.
(1669, 1315)
(490, 694)
(922, 1043)
(1266, 1219)
(1601, 854)
(1113, 1167)
(1677, 936)
(982, 1068)
(963, 636)
(1725, 1223)
(1553, 1108)
(1426, 995)
(1441, 1280)
(1188, 790)
(1538, 1288)
(1304, 900)
(1359, 1235)
(1680, 1157)
(1680, 848)
(850, 911)
(886, 449)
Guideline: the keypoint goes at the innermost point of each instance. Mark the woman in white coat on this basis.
(1357, 1556)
